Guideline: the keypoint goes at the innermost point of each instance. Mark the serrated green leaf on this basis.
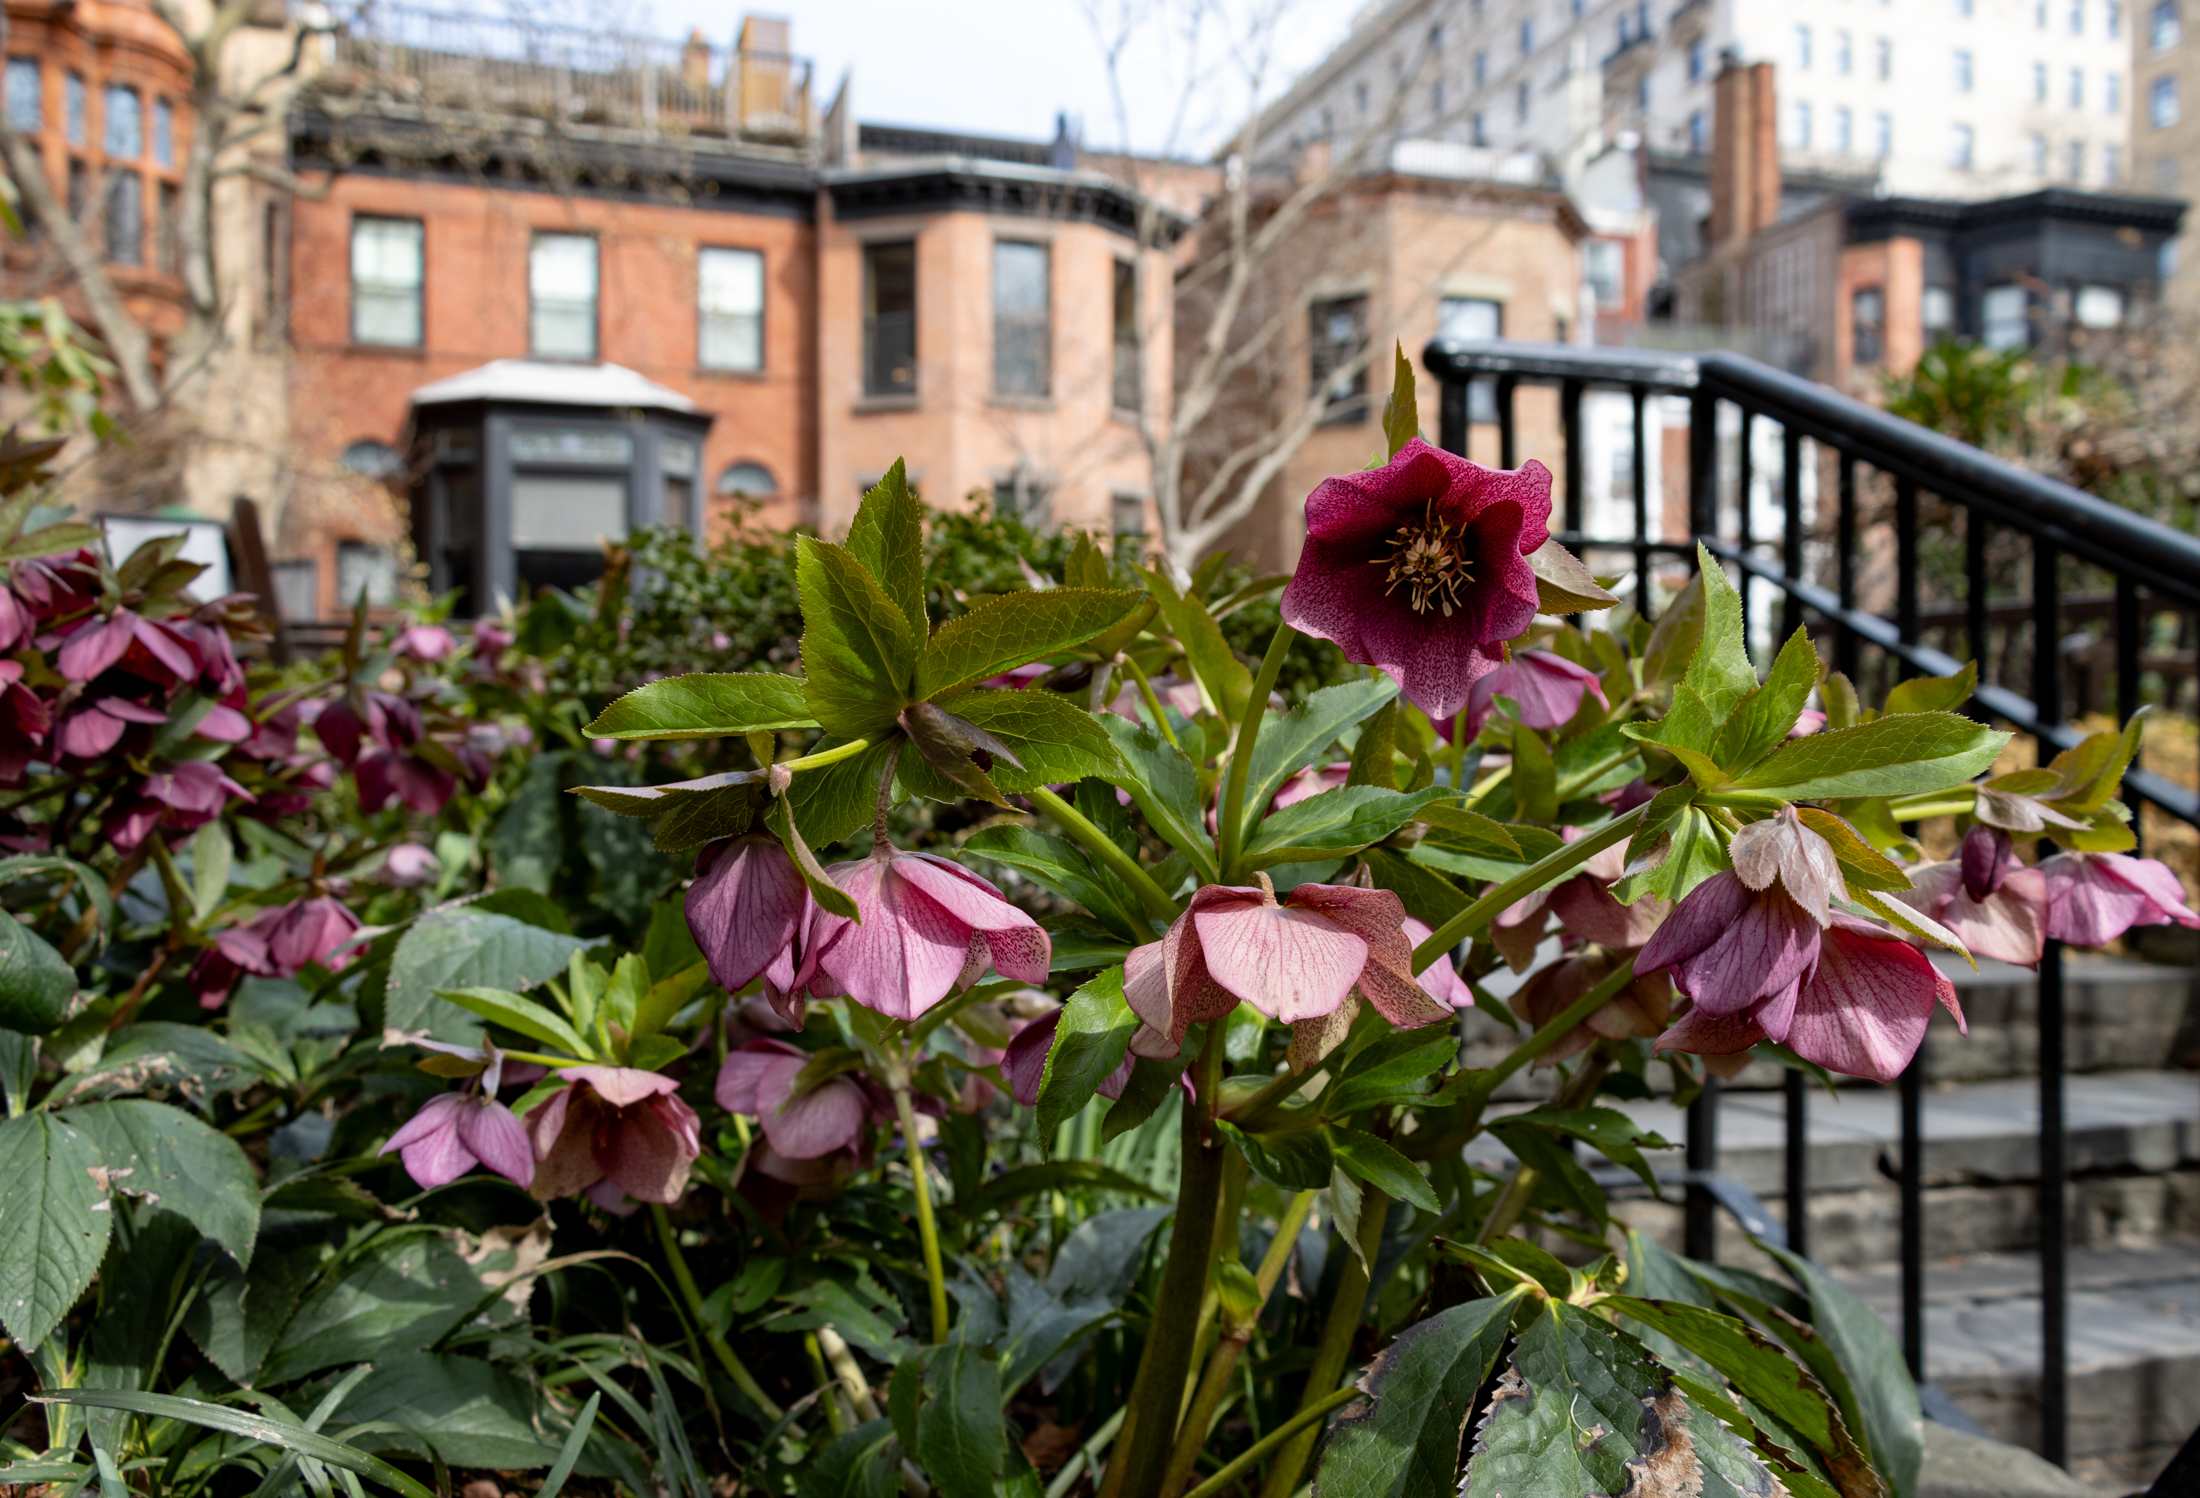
(469, 1412)
(834, 801)
(1295, 1159)
(1610, 1132)
(191, 1169)
(706, 705)
(1534, 782)
(1056, 740)
(1560, 1180)
(2094, 770)
(54, 1222)
(1375, 753)
(1392, 1068)
(1933, 694)
(887, 539)
(1054, 864)
(1165, 787)
(1872, 1359)
(1719, 672)
(1694, 851)
(1401, 415)
(455, 947)
(403, 1292)
(1335, 823)
(1090, 1041)
(1760, 722)
(864, 1463)
(960, 1438)
(1291, 741)
(858, 656)
(1889, 756)
(1571, 1413)
(1428, 896)
(1013, 629)
(1404, 1440)
(1221, 675)
(515, 1013)
(1862, 865)
(36, 982)
(1364, 1156)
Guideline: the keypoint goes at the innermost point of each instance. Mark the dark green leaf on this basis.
(1375, 753)
(469, 1412)
(1613, 1134)
(706, 705)
(1897, 756)
(960, 1438)
(904, 1396)
(1871, 1357)
(1090, 1041)
(858, 656)
(456, 947)
(823, 890)
(1054, 739)
(1559, 1177)
(1014, 629)
(1403, 1441)
(521, 1015)
(1303, 735)
(1335, 823)
(833, 801)
(36, 982)
(401, 1293)
(1370, 1159)
(1295, 1159)
(186, 1166)
(1427, 895)
(1580, 1402)
(887, 538)
(831, 1303)
(1392, 1068)
(864, 1463)
(238, 1316)
(1534, 782)
(1165, 787)
(1151, 1084)
(252, 1427)
(1760, 722)
(54, 1222)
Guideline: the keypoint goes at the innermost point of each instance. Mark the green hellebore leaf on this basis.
(1221, 675)
(960, 751)
(887, 538)
(706, 705)
(1302, 736)
(1760, 722)
(828, 895)
(191, 1168)
(1933, 694)
(1335, 823)
(1370, 1159)
(1053, 739)
(1720, 671)
(1889, 756)
(960, 1437)
(1862, 865)
(1012, 629)
(859, 656)
(1165, 787)
(1295, 1159)
(54, 1222)
(1375, 754)
(1401, 413)
(1563, 585)
(1056, 865)
(835, 800)
(1404, 1440)
(36, 982)
(1090, 1041)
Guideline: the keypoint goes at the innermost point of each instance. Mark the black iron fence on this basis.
(1920, 527)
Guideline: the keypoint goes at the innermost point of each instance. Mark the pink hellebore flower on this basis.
(2093, 898)
(1639, 1009)
(424, 642)
(1765, 957)
(758, 1080)
(238, 952)
(1986, 898)
(1440, 978)
(1584, 906)
(928, 927)
(616, 1122)
(1548, 688)
(183, 797)
(97, 726)
(409, 864)
(490, 640)
(749, 911)
(96, 645)
(458, 1130)
(1173, 692)
(1311, 781)
(312, 930)
(1295, 961)
(1420, 568)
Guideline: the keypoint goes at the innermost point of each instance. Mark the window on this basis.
(561, 292)
(1359, 98)
(1937, 313)
(2115, 19)
(73, 108)
(890, 319)
(2112, 93)
(1604, 267)
(1436, 99)
(125, 218)
(1474, 318)
(1844, 130)
(1800, 126)
(1884, 65)
(748, 481)
(386, 281)
(2077, 17)
(1962, 76)
(1478, 130)
(2112, 164)
(1022, 319)
(1128, 389)
(1336, 337)
(164, 133)
(1481, 69)
(1842, 53)
(2039, 155)
(124, 138)
(169, 246)
(2077, 88)
(1868, 325)
(1802, 47)
(26, 95)
(2004, 323)
(1882, 134)
(2098, 307)
(729, 310)
(1642, 93)
(1127, 512)
(1436, 38)
(2163, 29)
(2039, 14)
(1520, 103)
(1695, 62)
(1527, 37)
(1960, 140)
(1699, 133)
(371, 459)
(2074, 167)
(2039, 83)
(2162, 105)
(364, 568)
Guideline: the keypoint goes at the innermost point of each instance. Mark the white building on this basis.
(1936, 98)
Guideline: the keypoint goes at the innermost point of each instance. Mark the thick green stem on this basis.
(1537, 876)
(824, 757)
(1335, 1346)
(1214, 1386)
(1513, 1199)
(1153, 700)
(935, 1273)
(1157, 1394)
(827, 1386)
(736, 1370)
(1232, 811)
(1101, 846)
(1290, 1430)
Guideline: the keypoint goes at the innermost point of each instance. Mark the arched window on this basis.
(373, 460)
(748, 481)
(2163, 30)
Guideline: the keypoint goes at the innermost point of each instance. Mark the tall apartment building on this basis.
(2165, 128)
(1935, 98)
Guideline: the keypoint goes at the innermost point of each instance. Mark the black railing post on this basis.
(1451, 417)
(1791, 520)
(1508, 430)
(1745, 478)
(1796, 1087)
(1703, 464)
(2128, 644)
(1569, 413)
(2054, 1142)
(1639, 484)
(1975, 593)
(1905, 567)
(1912, 1184)
(1847, 648)
(1699, 1214)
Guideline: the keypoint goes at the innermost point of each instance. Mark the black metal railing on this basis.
(1828, 568)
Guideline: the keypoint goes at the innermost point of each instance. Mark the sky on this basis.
(1004, 67)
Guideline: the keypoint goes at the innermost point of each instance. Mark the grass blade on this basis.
(570, 1452)
(251, 1427)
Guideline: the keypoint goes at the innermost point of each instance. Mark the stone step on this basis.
(2134, 1350)
(2134, 1160)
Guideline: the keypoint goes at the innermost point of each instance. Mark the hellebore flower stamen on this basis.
(1427, 559)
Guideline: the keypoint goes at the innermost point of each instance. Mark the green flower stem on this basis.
(685, 1279)
(826, 1384)
(849, 1372)
(1513, 1199)
(1330, 1353)
(1537, 876)
(1101, 846)
(824, 757)
(1214, 1387)
(1935, 804)
(1289, 1430)
(1232, 831)
(1157, 1393)
(1066, 1479)
(1270, 1097)
(1572, 785)
(1485, 785)
(537, 1058)
(927, 1229)
(1153, 699)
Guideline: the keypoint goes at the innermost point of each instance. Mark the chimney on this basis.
(695, 62)
(1745, 152)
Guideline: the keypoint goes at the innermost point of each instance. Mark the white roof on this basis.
(553, 384)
